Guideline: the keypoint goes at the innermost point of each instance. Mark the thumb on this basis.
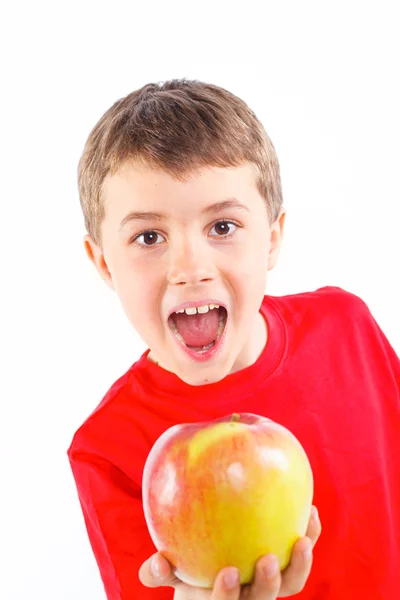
(156, 571)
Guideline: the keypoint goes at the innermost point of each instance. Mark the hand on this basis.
(268, 584)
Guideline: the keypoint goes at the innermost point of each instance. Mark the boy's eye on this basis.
(223, 228)
(149, 238)
(153, 238)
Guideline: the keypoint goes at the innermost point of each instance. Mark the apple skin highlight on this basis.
(224, 493)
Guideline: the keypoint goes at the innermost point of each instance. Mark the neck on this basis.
(254, 345)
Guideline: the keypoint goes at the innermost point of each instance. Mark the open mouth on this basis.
(199, 329)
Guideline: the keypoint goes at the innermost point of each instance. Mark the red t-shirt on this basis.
(329, 375)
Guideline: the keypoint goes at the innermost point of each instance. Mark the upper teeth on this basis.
(198, 309)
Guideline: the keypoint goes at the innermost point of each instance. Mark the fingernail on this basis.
(314, 515)
(307, 552)
(155, 567)
(271, 568)
(231, 578)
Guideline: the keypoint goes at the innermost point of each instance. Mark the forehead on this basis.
(140, 187)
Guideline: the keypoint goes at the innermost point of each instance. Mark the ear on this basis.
(96, 255)
(277, 228)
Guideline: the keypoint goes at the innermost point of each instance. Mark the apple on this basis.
(224, 493)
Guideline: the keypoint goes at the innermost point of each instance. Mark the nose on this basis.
(190, 264)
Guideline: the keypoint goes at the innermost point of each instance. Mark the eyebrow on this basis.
(212, 209)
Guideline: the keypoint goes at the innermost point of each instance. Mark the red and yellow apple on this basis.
(224, 493)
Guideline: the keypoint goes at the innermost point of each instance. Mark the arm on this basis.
(112, 509)
(385, 359)
(392, 357)
(380, 356)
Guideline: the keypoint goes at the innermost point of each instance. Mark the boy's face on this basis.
(205, 241)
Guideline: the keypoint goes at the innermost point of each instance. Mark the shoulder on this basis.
(326, 303)
(329, 313)
(91, 434)
(115, 436)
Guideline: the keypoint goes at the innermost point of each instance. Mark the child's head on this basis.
(181, 194)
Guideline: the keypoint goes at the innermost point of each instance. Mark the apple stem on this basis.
(235, 417)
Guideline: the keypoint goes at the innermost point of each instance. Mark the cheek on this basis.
(251, 258)
(135, 284)
(249, 274)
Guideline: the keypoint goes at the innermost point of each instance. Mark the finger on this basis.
(295, 575)
(226, 585)
(267, 580)
(314, 526)
(156, 571)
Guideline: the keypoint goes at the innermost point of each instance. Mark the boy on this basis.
(181, 193)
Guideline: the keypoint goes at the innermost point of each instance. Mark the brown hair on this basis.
(178, 127)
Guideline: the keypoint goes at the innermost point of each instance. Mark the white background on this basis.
(324, 80)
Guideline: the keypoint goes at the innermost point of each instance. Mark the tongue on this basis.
(197, 330)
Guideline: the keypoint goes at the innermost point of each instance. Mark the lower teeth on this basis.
(201, 348)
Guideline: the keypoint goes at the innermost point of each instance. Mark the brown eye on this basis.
(149, 238)
(223, 229)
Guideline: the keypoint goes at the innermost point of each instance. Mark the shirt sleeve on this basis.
(393, 360)
(112, 509)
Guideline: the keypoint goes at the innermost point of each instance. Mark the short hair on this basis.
(179, 127)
